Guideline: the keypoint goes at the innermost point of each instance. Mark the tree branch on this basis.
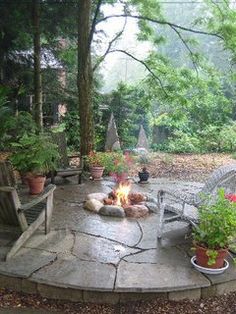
(145, 65)
(109, 47)
(94, 22)
(187, 47)
(161, 22)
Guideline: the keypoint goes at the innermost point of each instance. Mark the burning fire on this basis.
(122, 193)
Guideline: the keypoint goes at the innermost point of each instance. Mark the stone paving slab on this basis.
(227, 276)
(159, 256)
(147, 277)
(73, 273)
(92, 254)
(26, 262)
(55, 242)
(92, 248)
(122, 230)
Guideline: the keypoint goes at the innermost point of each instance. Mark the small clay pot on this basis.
(36, 184)
(202, 257)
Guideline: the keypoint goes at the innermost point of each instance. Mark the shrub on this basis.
(184, 143)
(72, 129)
(227, 138)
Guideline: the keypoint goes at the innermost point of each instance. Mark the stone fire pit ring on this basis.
(98, 203)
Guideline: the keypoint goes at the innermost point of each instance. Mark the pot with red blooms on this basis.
(215, 232)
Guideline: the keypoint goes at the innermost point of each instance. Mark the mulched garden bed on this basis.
(215, 305)
(190, 167)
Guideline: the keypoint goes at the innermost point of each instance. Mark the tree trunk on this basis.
(38, 104)
(84, 78)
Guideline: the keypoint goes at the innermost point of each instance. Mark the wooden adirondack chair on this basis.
(7, 177)
(175, 205)
(27, 217)
(65, 170)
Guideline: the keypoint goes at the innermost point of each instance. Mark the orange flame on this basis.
(122, 193)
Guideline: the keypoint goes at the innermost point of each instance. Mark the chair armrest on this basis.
(47, 191)
(188, 198)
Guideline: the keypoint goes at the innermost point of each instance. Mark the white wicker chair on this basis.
(175, 205)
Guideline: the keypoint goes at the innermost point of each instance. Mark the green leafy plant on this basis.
(98, 159)
(217, 225)
(118, 162)
(34, 154)
(17, 126)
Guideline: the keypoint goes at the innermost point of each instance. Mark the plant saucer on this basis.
(209, 271)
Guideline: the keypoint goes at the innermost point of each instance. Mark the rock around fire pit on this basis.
(121, 203)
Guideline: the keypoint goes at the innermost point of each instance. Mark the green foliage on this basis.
(118, 162)
(17, 126)
(35, 154)
(72, 129)
(183, 142)
(144, 159)
(130, 106)
(217, 225)
(5, 111)
(227, 138)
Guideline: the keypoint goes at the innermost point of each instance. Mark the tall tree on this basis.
(84, 79)
(149, 14)
(38, 101)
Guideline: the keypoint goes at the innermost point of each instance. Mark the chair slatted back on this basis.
(8, 210)
(7, 177)
(60, 139)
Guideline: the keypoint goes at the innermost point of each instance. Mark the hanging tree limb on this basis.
(92, 30)
(109, 46)
(160, 22)
(187, 47)
(145, 65)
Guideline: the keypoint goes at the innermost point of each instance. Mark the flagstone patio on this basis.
(88, 257)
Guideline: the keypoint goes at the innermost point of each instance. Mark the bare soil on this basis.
(225, 304)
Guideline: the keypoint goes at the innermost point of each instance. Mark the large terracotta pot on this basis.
(202, 257)
(96, 172)
(36, 184)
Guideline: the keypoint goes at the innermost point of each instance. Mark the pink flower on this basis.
(231, 197)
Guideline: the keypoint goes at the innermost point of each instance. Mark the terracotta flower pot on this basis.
(202, 257)
(96, 172)
(36, 184)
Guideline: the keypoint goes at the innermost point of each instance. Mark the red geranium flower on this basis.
(231, 197)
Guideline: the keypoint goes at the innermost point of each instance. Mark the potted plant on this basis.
(35, 156)
(97, 162)
(215, 231)
(118, 165)
(143, 174)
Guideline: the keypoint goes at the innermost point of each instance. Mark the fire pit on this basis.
(119, 203)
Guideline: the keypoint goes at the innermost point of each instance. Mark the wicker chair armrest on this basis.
(187, 198)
